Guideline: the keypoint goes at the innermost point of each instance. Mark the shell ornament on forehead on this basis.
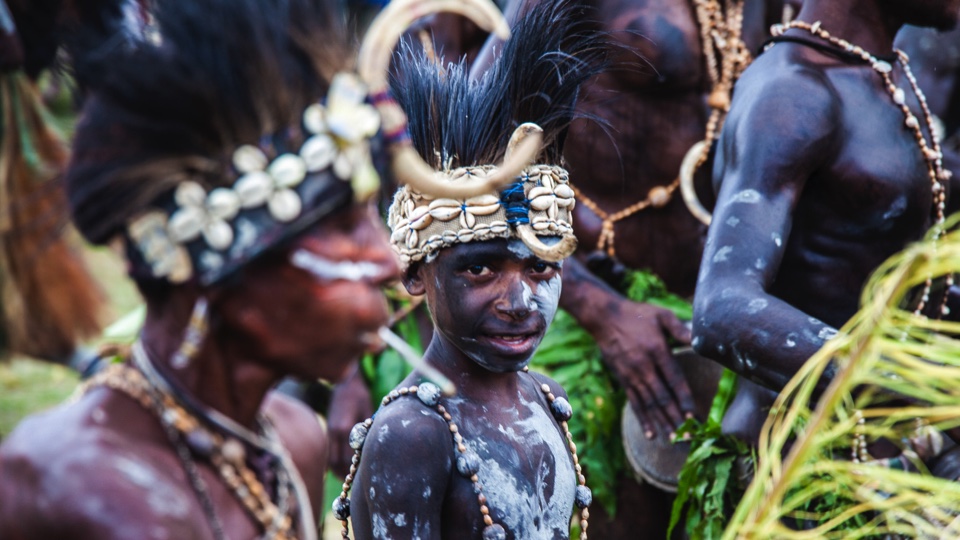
(278, 191)
(539, 203)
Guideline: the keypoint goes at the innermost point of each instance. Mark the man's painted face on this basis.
(313, 307)
(492, 300)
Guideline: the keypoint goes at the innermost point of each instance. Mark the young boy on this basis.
(495, 459)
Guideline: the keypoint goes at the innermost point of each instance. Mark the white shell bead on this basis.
(899, 97)
(469, 219)
(315, 118)
(564, 191)
(542, 203)
(538, 192)
(465, 236)
(483, 200)
(483, 210)
(412, 239)
(420, 218)
(444, 213)
(318, 152)
(185, 224)
(284, 205)
(218, 234)
(190, 193)
(249, 158)
(223, 203)
(342, 166)
(446, 203)
(288, 170)
(254, 189)
(882, 67)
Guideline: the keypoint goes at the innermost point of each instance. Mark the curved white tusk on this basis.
(688, 168)
(373, 63)
(555, 253)
(373, 66)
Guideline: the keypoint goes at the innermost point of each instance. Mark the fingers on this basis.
(677, 329)
(676, 394)
(651, 418)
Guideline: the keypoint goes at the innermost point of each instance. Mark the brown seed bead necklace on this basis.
(467, 461)
(227, 455)
(726, 56)
(931, 152)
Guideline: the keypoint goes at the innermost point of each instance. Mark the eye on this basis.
(540, 267)
(478, 270)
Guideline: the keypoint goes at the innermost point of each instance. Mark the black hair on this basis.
(455, 121)
(221, 73)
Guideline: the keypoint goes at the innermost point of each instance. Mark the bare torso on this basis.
(819, 182)
(114, 453)
(657, 110)
(408, 485)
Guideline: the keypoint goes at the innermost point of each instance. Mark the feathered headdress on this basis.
(463, 126)
(247, 128)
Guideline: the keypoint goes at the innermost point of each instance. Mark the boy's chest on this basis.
(526, 477)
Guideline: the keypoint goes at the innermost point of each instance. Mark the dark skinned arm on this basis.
(412, 454)
(631, 337)
(736, 319)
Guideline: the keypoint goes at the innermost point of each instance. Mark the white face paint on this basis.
(326, 270)
(547, 297)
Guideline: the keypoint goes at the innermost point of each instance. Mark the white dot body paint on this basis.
(827, 333)
(326, 270)
(733, 221)
(791, 340)
(760, 264)
(777, 239)
(163, 500)
(757, 305)
(722, 253)
(747, 196)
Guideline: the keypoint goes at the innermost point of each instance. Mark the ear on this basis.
(413, 279)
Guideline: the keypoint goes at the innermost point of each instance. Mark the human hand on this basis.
(349, 404)
(634, 345)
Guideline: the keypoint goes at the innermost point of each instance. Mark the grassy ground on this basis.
(28, 386)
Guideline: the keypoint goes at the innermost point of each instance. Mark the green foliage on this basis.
(28, 386)
(384, 371)
(708, 489)
(570, 356)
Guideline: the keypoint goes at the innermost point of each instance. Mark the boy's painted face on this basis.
(492, 300)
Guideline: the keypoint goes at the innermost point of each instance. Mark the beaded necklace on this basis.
(224, 448)
(726, 56)
(467, 461)
(931, 151)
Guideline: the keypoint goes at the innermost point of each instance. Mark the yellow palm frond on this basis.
(896, 372)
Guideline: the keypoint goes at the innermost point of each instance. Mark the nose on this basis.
(515, 301)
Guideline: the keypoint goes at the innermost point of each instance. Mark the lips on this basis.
(513, 342)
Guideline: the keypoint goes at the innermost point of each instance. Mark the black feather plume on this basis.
(455, 121)
(224, 73)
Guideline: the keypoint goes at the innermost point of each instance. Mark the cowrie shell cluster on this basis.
(422, 224)
(338, 140)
